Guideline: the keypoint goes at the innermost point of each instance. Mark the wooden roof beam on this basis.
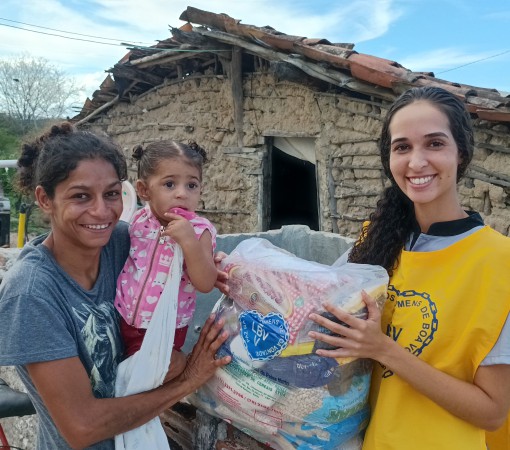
(311, 68)
(132, 73)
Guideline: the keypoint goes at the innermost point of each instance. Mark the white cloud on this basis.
(148, 21)
(354, 21)
(89, 82)
(442, 59)
(502, 16)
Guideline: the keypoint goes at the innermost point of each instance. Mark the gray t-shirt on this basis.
(45, 315)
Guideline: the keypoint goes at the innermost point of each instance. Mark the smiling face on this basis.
(85, 207)
(424, 159)
(175, 183)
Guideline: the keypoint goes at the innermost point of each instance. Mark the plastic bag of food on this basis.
(277, 389)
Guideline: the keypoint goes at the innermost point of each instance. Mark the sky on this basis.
(464, 41)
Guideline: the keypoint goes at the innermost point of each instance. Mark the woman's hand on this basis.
(360, 338)
(177, 365)
(202, 362)
(222, 278)
(483, 402)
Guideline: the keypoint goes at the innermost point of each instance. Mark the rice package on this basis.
(277, 389)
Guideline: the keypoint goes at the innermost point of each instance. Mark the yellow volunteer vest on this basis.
(500, 439)
(447, 307)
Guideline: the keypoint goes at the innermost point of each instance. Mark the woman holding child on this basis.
(59, 325)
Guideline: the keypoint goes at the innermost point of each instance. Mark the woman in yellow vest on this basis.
(442, 342)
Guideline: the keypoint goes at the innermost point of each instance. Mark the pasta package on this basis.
(277, 389)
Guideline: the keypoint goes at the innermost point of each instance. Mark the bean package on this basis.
(277, 389)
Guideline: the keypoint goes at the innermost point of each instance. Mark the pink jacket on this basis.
(145, 272)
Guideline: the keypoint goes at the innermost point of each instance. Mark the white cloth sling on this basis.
(146, 369)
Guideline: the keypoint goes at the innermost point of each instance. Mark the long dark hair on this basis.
(49, 159)
(391, 223)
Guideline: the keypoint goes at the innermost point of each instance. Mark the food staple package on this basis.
(277, 389)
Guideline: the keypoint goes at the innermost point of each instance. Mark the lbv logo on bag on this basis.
(264, 337)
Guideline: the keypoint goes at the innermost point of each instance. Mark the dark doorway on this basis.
(293, 192)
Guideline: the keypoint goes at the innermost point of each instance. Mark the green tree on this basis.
(9, 144)
(32, 91)
(10, 141)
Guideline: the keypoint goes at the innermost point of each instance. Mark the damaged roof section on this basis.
(195, 49)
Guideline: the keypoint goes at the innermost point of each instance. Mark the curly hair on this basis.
(49, 159)
(392, 221)
(148, 158)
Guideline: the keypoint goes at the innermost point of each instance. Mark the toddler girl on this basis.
(169, 181)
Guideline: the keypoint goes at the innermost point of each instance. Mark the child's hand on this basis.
(179, 229)
(183, 212)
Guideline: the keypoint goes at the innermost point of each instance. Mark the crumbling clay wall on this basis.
(346, 130)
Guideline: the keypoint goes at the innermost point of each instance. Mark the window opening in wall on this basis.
(293, 183)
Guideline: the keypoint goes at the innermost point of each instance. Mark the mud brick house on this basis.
(291, 123)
